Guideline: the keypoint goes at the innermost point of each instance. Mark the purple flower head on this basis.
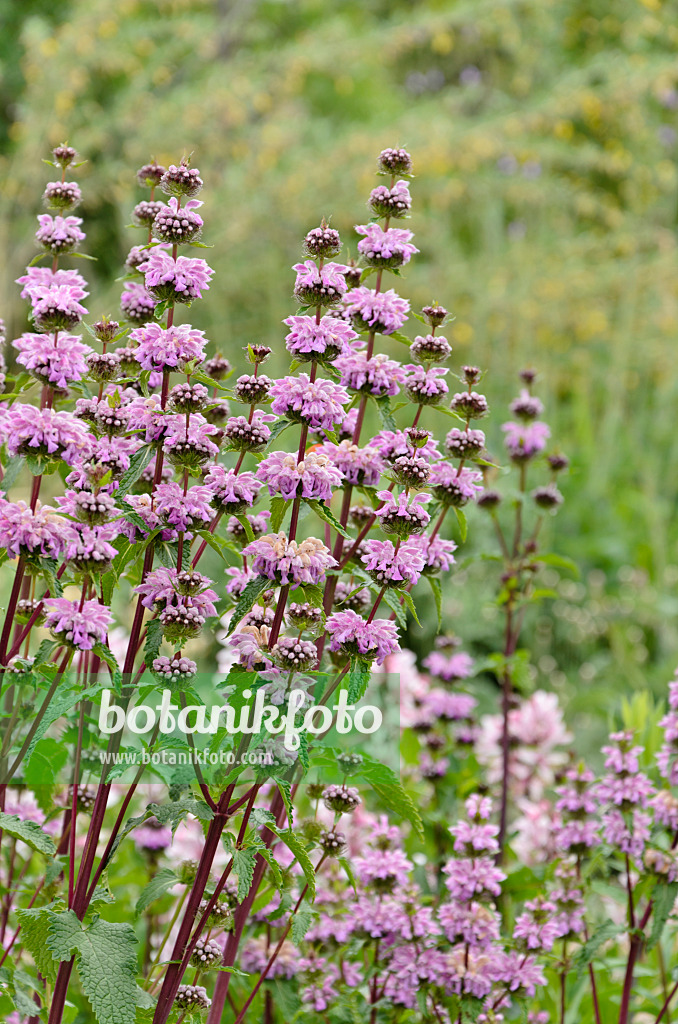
(79, 628)
(438, 553)
(350, 633)
(152, 835)
(136, 303)
(316, 287)
(665, 807)
(38, 278)
(455, 486)
(470, 973)
(525, 440)
(359, 466)
(317, 403)
(231, 492)
(383, 870)
(519, 973)
(471, 923)
(315, 475)
(184, 511)
(46, 432)
(24, 532)
(53, 359)
(537, 928)
(628, 832)
(449, 667)
(390, 568)
(89, 548)
(177, 224)
(382, 312)
(310, 340)
(401, 516)
(251, 644)
(470, 878)
(390, 247)
(391, 202)
(425, 386)
(250, 436)
(159, 348)
(166, 586)
(394, 444)
(289, 562)
(181, 280)
(378, 376)
(59, 234)
(56, 307)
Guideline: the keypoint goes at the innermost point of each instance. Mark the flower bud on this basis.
(395, 161)
(469, 404)
(188, 398)
(349, 763)
(251, 390)
(129, 365)
(432, 348)
(25, 609)
(558, 462)
(103, 367)
(332, 842)
(174, 669)
(85, 798)
(547, 497)
(489, 500)
(294, 655)
(217, 367)
(187, 871)
(62, 195)
(64, 155)
(323, 241)
(146, 211)
(258, 354)
(341, 799)
(220, 916)
(105, 330)
(150, 175)
(181, 180)
(176, 226)
(206, 955)
(464, 444)
(411, 471)
(435, 314)
(472, 374)
(304, 616)
(192, 997)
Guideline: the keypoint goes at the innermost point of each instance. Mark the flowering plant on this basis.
(304, 883)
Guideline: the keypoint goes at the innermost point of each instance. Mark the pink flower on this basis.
(379, 375)
(390, 247)
(183, 279)
(23, 531)
(231, 492)
(136, 303)
(184, 511)
(53, 360)
(160, 347)
(37, 278)
(453, 486)
(383, 312)
(321, 287)
(312, 478)
(289, 562)
(388, 567)
(317, 403)
(80, 628)
(59, 234)
(360, 466)
(350, 633)
(525, 440)
(46, 431)
(328, 338)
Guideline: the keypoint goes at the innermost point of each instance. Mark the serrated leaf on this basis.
(324, 513)
(302, 921)
(358, 679)
(585, 955)
(247, 527)
(277, 429)
(291, 840)
(407, 598)
(399, 336)
(286, 793)
(463, 527)
(34, 929)
(249, 595)
(243, 865)
(137, 464)
(48, 568)
(153, 641)
(279, 507)
(385, 415)
(11, 472)
(664, 897)
(437, 590)
(158, 886)
(28, 832)
(47, 760)
(349, 873)
(392, 599)
(61, 702)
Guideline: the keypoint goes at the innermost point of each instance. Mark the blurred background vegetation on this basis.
(544, 139)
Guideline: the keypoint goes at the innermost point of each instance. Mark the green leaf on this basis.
(249, 595)
(560, 562)
(437, 589)
(407, 598)
(48, 567)
(28, 832)
(324, 513)
(291, 839)
(385, 415)
(277, 429)
(106, 959)
(392, 599)
(247, 527)
(153, 641)
(62, 701)
(243, 865)
(47, 760)
(399, 336)
(278, 509)
(664, 897)
(286, 793)
(302, 921)
(585, 955)
(137, 464)
(12, 470)
(358, 679)
(158, 886)
(34, 929)
(463, 527)
(107, 656)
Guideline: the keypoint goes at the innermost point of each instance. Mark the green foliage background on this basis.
(543, 135)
